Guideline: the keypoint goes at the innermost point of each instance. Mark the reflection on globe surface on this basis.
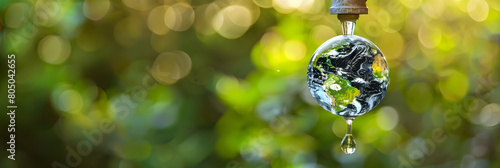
(348, 75)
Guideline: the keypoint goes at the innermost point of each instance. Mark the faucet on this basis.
(348, 10)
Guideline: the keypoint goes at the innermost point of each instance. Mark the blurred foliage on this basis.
(222, 83)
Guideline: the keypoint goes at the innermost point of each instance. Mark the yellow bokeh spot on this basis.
(239, 94)
(312, 6)
(16, 15)
(95, 9)
(226, 85)
(286, 6)
(453, 85)
(66, 99)
(419, 97)
(415, 58)
(271, 42)
(294, 50)
(239, 15)
(321, 33)
(434, 8)
(277, 52)
(156, 20)
(273, 56)
(179, 16)
(478, 10)
(233, 21)
(70, 100)
(54, 49)
(169, 67)
(203, 21)
(387, 118)
(429, 36)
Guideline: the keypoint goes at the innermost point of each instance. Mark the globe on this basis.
(348, 75)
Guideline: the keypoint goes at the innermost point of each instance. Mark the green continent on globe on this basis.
(340, 91)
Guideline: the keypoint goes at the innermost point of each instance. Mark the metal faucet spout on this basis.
(348, 10)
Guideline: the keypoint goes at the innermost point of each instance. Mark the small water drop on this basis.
(348, 144)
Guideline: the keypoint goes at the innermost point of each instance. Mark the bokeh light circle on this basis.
(169, 67)
(54, 49)
(96, 9)
(179, 16)
(16, 15)
(478, 10)
(490, 115)
(156, 21)
(387, 118)
(233, 21)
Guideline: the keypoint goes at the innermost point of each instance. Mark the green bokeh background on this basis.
(204, 83)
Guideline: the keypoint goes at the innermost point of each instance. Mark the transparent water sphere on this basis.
(348, 75)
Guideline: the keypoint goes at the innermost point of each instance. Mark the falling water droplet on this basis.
(348, 144)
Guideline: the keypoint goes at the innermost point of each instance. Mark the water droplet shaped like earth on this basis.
(348, 75)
